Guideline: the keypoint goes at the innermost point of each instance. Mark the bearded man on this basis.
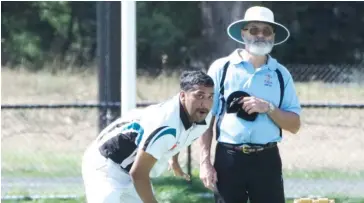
(254, 99)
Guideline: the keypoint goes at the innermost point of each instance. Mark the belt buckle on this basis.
(245, 149)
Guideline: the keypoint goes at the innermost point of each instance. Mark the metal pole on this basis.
(189, 172)
(102, 60)
(128, 66)
(108, 44)
(114, 42)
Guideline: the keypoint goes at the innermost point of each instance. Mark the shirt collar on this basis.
(236, 59)
(184, 117)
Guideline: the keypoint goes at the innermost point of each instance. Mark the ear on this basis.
(183, 95)
(242, 32)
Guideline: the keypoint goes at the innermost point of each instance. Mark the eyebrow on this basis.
(202, 92)
(266, 26)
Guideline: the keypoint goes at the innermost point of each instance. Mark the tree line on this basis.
(171, 35)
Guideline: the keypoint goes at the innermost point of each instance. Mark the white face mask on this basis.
(258, 47)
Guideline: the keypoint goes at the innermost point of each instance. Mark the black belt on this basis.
(250, 148)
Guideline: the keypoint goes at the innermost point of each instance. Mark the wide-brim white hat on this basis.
(258, 14)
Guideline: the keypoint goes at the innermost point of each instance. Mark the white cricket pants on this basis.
(104, 181)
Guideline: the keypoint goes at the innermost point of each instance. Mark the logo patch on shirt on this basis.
(268, 80)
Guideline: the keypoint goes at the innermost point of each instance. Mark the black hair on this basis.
(189, 79)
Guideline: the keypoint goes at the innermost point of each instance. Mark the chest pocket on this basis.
(222, 89)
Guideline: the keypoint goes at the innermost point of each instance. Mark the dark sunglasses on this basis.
(255, 31)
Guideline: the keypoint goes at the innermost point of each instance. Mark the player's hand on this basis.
(253, 104)
(208, 175)
(177, 170)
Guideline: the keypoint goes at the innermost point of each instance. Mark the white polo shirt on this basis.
(162, 130)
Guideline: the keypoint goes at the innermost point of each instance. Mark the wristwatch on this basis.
(271, 108)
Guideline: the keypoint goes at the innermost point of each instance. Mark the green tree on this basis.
(176, 35)
(167, 29)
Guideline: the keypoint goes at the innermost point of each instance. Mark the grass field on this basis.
(337, 200)
(173, 190)
(50, 142)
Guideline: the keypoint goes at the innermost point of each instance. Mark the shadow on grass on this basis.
(168, 189)
(171, 189)
(177, 190)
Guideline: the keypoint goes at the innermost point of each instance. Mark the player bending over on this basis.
(117, 166)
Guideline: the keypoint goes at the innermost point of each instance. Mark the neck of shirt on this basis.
(256, 61)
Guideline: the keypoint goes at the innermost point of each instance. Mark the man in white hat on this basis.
(255, 98)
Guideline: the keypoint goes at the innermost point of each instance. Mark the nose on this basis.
(206, 103)
(260, 34)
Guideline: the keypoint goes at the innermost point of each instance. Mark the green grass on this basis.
(171, 189)
(41, 164)
(65, 164)
(340, 200)
(82, 200)
(174, 190)
(46, 201)
(327, 174)
(337, 200)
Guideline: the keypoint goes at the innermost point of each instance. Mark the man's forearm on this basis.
(175, 162)
(286, 120)
(175, 158)
(144, 189)
(205, 146)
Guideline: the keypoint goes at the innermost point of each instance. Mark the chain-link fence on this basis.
(42, 147)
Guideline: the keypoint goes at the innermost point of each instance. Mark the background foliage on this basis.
(183, 33)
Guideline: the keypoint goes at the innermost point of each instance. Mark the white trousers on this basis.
(104, 181)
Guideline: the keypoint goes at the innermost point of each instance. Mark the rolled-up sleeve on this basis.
(290, 100)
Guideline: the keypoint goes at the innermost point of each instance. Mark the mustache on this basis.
(259, 40)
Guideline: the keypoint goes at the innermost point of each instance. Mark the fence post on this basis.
(109, 59)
